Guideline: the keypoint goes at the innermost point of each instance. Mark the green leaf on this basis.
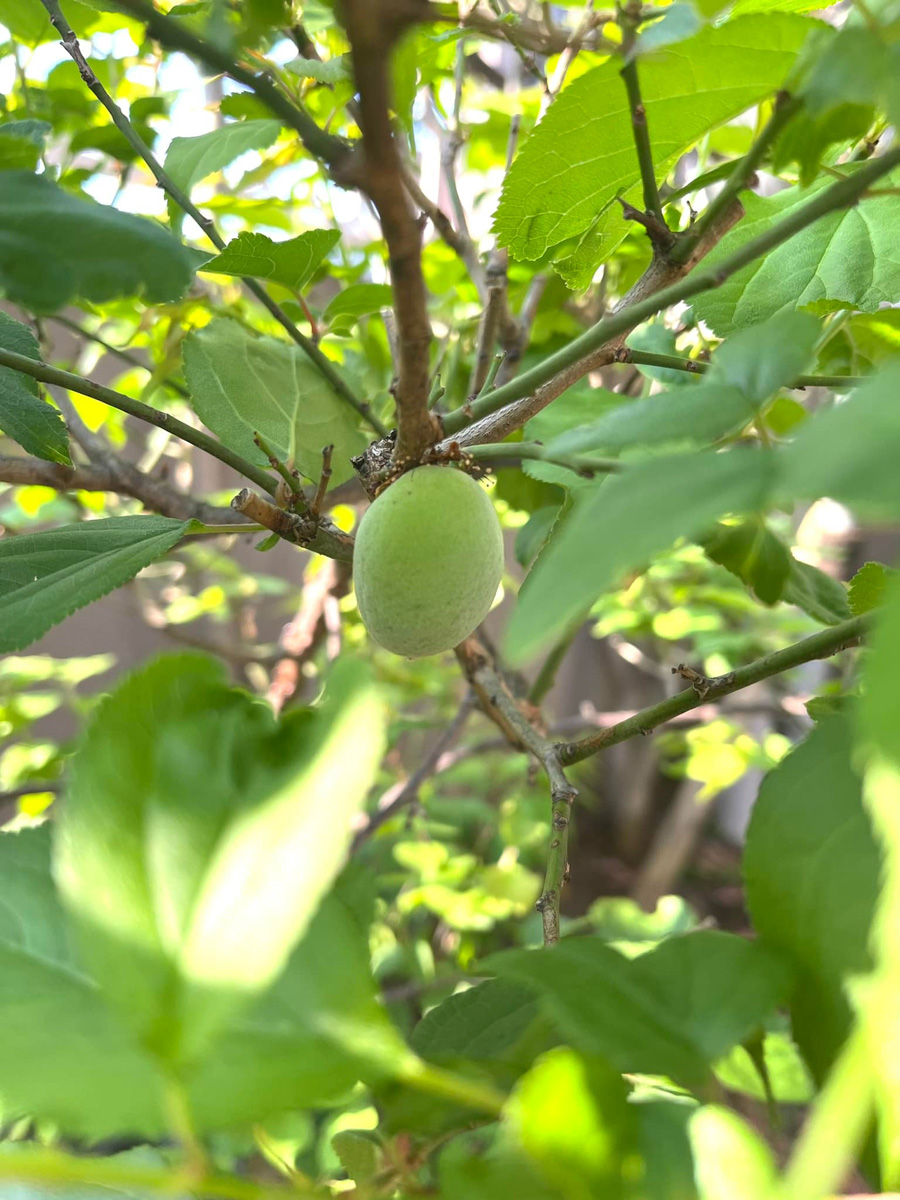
(732, 1161)
(811, 870)
(360, 1155)
(44, 577)
(581, 156)
(21, 143)
(332, 70)
(622, 522)
(195, 843)
(241, 385)
(752, 552)
(66, 1058)
(571, 1118)
(846, 259)
(289, 263)
(848, 452)
(29, 420)
(55, 247)
(356, 301)
(765, 357)
(189, 160)
(672, 1011)
(693, 416)
(868, 587)
(819, 595)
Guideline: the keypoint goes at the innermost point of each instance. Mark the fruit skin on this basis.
(427, 562)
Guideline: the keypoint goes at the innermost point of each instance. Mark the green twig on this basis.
(658, 230)
(786, 108)
(135, 408)
(672, 362)
(502, 454)
(840, 195)
(178, 196)
(819, 645)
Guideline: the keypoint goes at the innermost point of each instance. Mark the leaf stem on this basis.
(135, 408)
(325, 366)
(510, 454)
(820, 645)
(841, 194)
(674, 362)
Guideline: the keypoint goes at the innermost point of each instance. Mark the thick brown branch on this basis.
(372, 28)
(126, 480)
(321, 535)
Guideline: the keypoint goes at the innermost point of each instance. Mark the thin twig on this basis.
(694, 366)
(135, 408)
(184, 202)
(516, 720)
(372, 28)
(820, 645)
(786, 108)
(301, 637)
(574, 360)
(655, 222)
(397, 798)
(458, 242)
(315, 506)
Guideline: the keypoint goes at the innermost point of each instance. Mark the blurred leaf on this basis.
(619, 524)
(787, 1074)
(691, 416)
(765, 357)
(55, 247)
(21, 144)
(241, 384)
(191, 159)
(752, 552)
(845, 258)
(290, 263)
(330, 71)
(488, 1164)
(848, 453)
(46, 576)
(534, 533)
(868, 587)
(360, 1156)
(679, 22)
(672, 1011)
(574, 165)
(195, 847)
(811, 869)
(571, 1117)
(732, 1160)
(66, 1058)
(28, 419)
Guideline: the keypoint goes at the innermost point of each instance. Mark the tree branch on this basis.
(301, 529)
(516, 721)
(558, 371)
(511, 454)
(819, 645)
(184, 202)
(127, 480)
(135, 408)
(372, 28)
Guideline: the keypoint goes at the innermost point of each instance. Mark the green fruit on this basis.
(427, 562)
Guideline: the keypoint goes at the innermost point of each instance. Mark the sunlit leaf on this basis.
(189, 160)
(36, 425)
(290, 263)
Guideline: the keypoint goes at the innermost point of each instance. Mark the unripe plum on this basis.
(428, 561)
